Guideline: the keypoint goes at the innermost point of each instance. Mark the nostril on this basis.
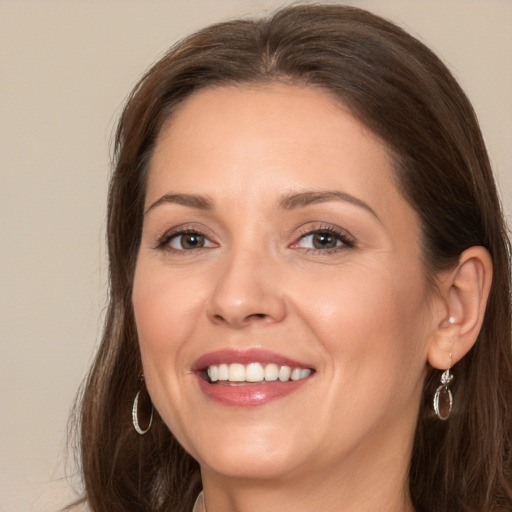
(256, 316)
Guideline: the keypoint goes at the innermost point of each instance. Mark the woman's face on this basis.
(279, 257)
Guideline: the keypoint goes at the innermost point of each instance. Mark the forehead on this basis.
(257, 130)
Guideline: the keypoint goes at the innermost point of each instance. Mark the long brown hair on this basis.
(400, 90)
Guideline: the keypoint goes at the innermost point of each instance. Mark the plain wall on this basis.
(65, 69)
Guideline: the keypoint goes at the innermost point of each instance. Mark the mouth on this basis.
(251, 377)
(253, 373)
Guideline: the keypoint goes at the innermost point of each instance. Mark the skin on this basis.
(361, 315)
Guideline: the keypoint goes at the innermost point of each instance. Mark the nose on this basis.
(246, 291)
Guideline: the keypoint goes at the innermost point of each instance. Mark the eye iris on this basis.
(192, 241)
(324, 241)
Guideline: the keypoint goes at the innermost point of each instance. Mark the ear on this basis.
(464, 291)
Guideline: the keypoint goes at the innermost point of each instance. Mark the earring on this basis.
(443, 398)
(145, 402)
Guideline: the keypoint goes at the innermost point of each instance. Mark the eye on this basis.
(319, 240)
(324, 240)
(185, 241)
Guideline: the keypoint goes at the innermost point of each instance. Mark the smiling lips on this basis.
(249, 378)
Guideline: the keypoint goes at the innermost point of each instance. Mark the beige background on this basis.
(65, 68)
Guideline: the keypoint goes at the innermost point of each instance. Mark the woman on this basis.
(310, 281)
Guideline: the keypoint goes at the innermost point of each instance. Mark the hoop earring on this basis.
(135, 414)
(443, 398)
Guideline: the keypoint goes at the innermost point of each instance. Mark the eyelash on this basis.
(345, 239)
(165, 240)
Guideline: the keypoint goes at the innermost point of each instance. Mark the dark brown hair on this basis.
(400, 90)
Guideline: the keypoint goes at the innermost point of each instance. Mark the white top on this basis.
(199, 505)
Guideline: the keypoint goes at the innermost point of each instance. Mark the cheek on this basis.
(370, 320)
(166, 311)
(164, 305)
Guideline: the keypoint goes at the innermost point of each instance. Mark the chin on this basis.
(250, 466)
(249, 455)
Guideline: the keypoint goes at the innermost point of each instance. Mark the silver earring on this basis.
(443, 398)
(135, 414)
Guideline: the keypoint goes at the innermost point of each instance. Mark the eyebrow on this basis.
(290, 201)
(189, 200)
(301, 199)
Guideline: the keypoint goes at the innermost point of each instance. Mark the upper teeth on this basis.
(255, 372)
